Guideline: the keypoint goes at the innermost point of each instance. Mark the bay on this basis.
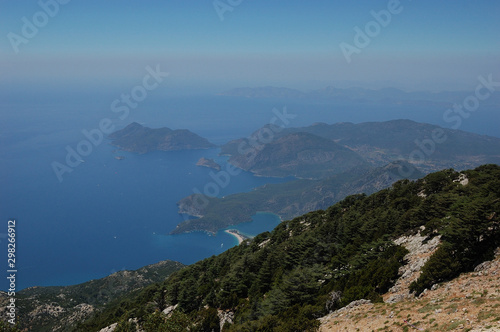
(109, 215)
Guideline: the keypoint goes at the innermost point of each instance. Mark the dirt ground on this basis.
(470, 302)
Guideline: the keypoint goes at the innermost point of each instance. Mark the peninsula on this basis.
(240, 237)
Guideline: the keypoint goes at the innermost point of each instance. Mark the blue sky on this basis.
(441, 45)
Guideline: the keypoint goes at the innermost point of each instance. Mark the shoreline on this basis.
(236, 234)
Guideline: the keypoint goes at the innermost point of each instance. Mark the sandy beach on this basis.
(236, 235)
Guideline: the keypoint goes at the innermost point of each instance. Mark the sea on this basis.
(107, 214)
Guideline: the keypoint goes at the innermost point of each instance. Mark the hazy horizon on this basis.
(209, 48)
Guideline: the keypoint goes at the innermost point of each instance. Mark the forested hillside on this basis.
(286, 279)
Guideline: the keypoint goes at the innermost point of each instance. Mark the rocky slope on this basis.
(470, 302)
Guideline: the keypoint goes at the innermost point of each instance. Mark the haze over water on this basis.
(110, 214)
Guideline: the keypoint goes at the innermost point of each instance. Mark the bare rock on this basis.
(110, 328)
(168, 310)
(483, 266)
(225, 316)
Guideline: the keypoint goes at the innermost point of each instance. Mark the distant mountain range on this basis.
(385, 95)
(333, 161)
(140, 139)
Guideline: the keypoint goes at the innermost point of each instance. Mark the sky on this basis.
(210, 46)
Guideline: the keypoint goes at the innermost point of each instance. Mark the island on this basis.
(210, 163)
(140, 139)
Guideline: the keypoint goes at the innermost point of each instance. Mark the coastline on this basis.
(236, 234)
